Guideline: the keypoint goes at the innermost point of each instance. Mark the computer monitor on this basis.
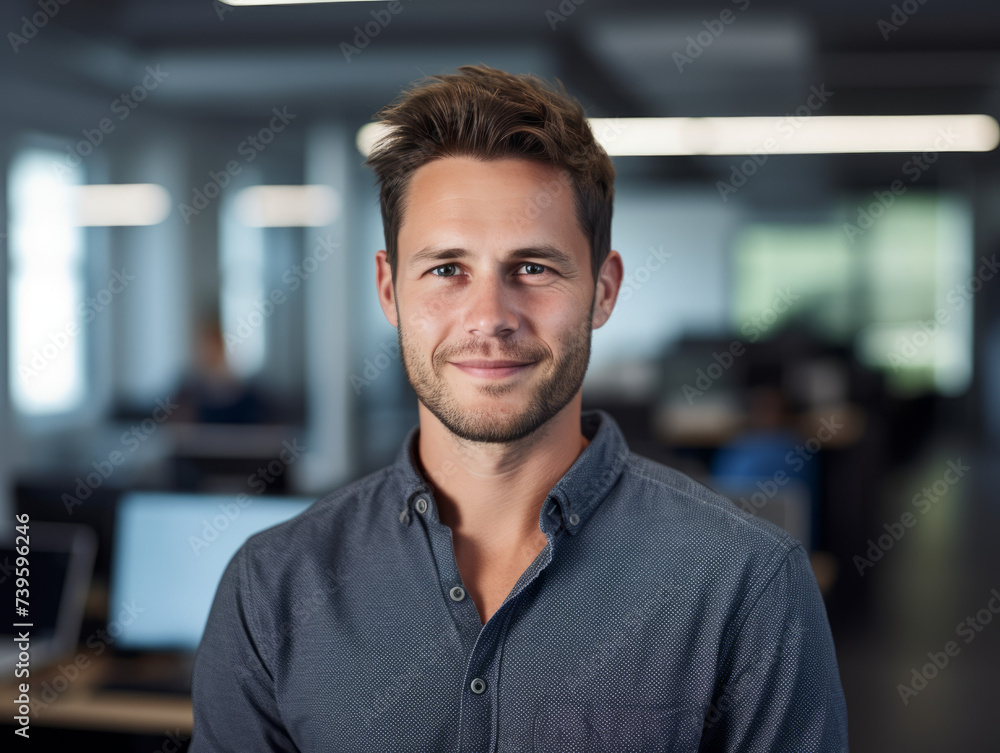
(56, 563)
(170, 552)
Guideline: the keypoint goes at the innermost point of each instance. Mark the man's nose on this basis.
(490, 310)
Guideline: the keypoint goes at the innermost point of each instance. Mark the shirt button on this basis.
(574, 519)
(457, 593)
(421, 505)
(478, 686)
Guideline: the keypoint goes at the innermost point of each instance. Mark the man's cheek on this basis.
(423, 321)
(432, 313)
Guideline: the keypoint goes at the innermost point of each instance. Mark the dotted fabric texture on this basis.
(662, 618)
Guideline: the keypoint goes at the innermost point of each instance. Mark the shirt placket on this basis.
(478, 717)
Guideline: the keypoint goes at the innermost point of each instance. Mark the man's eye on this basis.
(443, 266)
(533, 269)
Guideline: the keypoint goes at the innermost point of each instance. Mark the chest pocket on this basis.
(622, 728)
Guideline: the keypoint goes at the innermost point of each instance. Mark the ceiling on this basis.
(619, 58)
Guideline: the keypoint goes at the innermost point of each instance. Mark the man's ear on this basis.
(609, 282)
(384, 285)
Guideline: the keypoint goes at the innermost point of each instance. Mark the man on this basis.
(517, 580)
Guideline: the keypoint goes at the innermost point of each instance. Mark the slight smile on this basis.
(492, 369)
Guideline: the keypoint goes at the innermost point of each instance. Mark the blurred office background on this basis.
(815, 335)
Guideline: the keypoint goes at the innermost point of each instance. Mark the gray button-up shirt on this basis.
(658, 617)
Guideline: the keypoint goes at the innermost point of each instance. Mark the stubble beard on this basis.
(496, 423)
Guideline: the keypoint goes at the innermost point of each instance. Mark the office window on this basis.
(898, 288)
(918, 258)
(241, 293)
(786, 273)
(265, 261)
(47, 312)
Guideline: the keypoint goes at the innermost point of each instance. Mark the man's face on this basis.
(494, 297)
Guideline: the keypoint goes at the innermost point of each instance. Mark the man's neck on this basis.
(490, 495)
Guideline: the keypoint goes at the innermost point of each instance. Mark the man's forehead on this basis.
(505, 169)
(525, 192)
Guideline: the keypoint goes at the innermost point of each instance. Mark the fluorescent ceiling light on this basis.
(288, 2)
(287, 206)
(368, 134)
(835, 134)
(121, 204)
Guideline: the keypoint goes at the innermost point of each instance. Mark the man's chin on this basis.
(482, 409)
(487, 419)
(489, 430)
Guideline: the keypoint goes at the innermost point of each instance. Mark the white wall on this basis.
(688, 293)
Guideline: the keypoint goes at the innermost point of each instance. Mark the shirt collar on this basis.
(572, 500)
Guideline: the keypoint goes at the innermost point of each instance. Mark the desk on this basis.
(78, 703)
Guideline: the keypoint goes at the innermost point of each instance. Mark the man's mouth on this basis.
(492, 369)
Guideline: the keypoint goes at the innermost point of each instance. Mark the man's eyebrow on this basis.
(544, 251)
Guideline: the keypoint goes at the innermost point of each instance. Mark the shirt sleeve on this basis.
(779, 684)
(232, 690)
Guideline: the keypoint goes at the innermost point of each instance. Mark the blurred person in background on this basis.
(212, 393)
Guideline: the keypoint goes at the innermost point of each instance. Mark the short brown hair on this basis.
(488, 114)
